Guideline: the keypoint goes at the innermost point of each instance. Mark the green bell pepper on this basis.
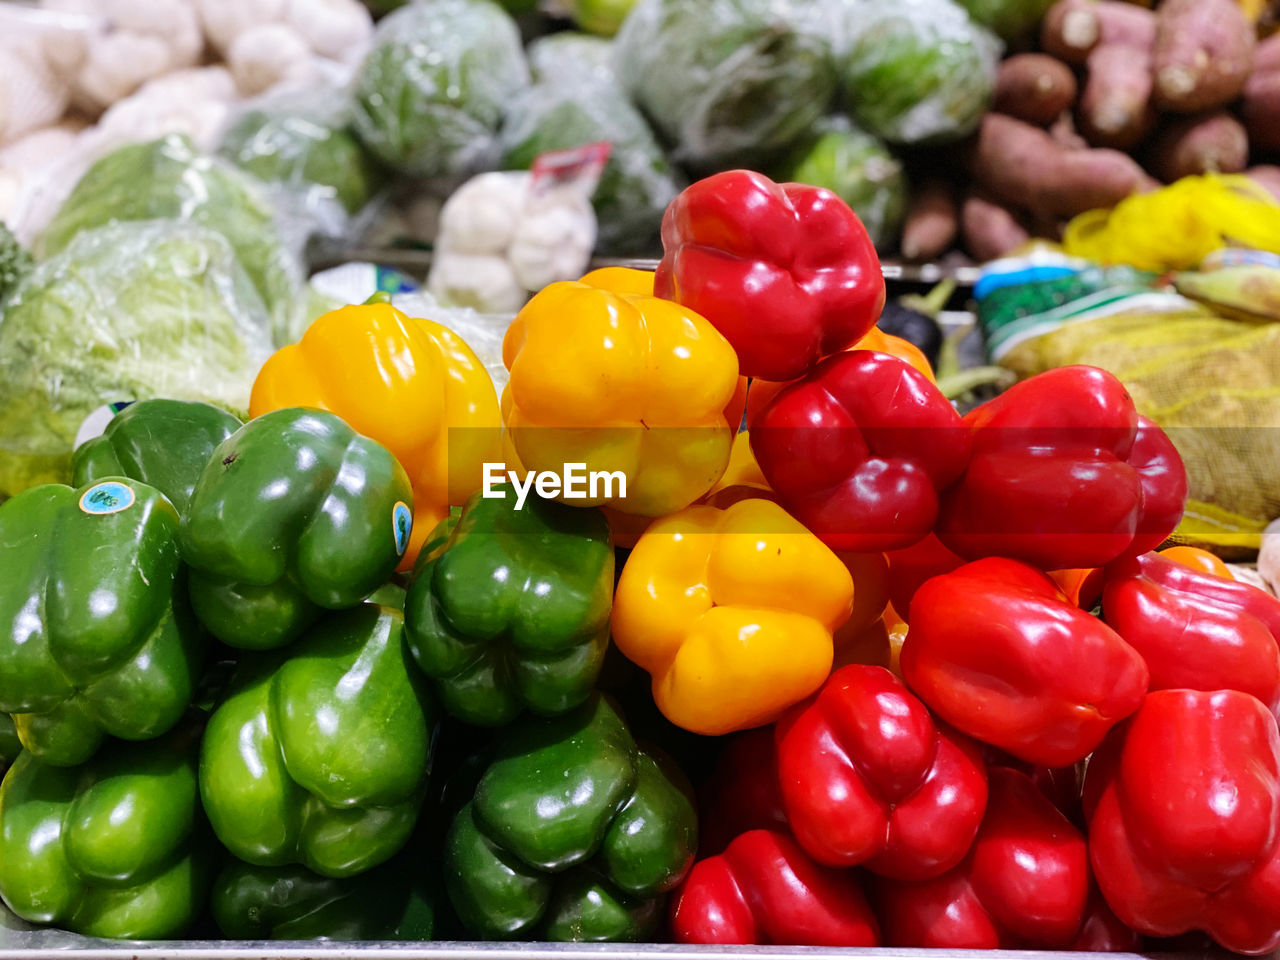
(96, 635)
(116, 848)
(294, 513)
(10, 745)
(572, 833)
(164, 443)
(320, 754)
(294, 903)
(510, 608)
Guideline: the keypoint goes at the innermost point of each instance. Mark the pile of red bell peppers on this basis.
(1081, 750)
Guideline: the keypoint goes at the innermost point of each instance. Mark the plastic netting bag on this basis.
(483, 332)
(637, 182)
(918, 71)
(125, 312)
(724, 78)
(170, 179)
(1211, 382)
(431, 93)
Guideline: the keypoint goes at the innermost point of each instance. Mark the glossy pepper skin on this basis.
(860, 449)
(116, 848)
(412, 385)
(1064, 473)
(320, 757)
(999, 652)
(1024, 883)
(764, 889)
(10, 745)
(786, 272)
(573, 833)
(509, 609)
(732, 612)
(1183, 805)
(294, 513)
(868, 778)
(96, 635)
(1196, 630)
(742, 792)
(294, 903)
(163, 443)
(624, 382)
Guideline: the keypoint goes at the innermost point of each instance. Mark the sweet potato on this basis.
(1211, 142)
(1065, 133)
(989, 229)
(1116, 108)
(1022, 165)
(1266, 176)
(1203, 54)
(1034, 87)
(1073, 28)
(1261, 108)
(932, 221)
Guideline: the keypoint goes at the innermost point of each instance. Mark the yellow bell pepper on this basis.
(621, 280)
(409, 383)
(732, 612)
(620, 382)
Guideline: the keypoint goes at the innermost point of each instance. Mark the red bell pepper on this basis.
(999, 652)
(1103, 931)
(742, 792)
(764, 889)
(1064, 473)
(786, 272)
(1184, 818)
(859, 450)
(911, 566)
(1025, 882)
(1195, 629)
(868, 778)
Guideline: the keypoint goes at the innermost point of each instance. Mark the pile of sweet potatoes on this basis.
(1117, 99)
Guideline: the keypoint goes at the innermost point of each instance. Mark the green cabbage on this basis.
(125, 312)
(15, 263)
(918, 70)
(860, 170)
(721, 78)
(170, 179)
(432, 90)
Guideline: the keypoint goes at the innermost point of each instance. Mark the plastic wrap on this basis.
(431, 93)
(483, 332)
(125, 312)
(637, 183)
(860, 170)
(721, 79)
(572, 58)
(918, 71)
(169, 179)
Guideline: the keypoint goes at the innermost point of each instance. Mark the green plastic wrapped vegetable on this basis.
(573, 833)
(15, 263)
(117, 848)
(126, 312)
(163, 443)
(572, 58)
(431, 93)
(321, 757)
(600, 16)
(293, 513)
(96, 637)
(918, 71)
(1010, 19)
(860, 170)
(170, 179)
(510, 608)
(722, 77)
(305, 147)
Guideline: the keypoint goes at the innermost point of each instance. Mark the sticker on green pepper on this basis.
(116, 848)
(320, 754)
(96, 635)
(573, 833)
(295, 513)
(509, 608)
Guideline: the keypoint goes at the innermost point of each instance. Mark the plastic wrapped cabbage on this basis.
(918, 71)
(720, 78)
(860, 170)
(637, 182)
(431, 93)
(126, 312)
(1011, 19)
(306, 147)
(572, 58)
(170, 179)
(483, 332)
